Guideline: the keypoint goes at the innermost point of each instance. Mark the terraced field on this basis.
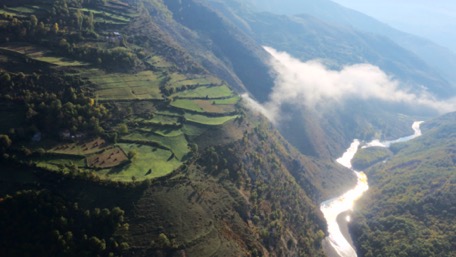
(118, 86)
(177, 144)
(150, 162)
(158, 119)
(60, 161)
(210, 121)
(40, 54)
(166, 132)
(81, 148)
(153, 146)
(162, 110)
(179, 80)
(26, 10)
(107, 16)
(203, 106)
(227, 101)
(158, 62)
(207, 92)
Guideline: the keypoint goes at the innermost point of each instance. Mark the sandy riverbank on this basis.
(343, 225)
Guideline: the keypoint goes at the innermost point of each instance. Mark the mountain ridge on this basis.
(318, 33)
(335, 46)
(438, 58)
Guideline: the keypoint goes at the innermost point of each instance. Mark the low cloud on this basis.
(313, 85)
(257, 107)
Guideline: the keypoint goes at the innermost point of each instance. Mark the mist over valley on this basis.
(208, 128)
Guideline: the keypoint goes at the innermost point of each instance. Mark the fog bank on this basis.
(312, 85)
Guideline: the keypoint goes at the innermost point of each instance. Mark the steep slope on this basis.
(239, 198)
(231, 33)
(218, 45)
(229, 205)
(409, 208)
(124, 137)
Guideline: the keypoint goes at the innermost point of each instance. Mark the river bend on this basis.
(334, 207)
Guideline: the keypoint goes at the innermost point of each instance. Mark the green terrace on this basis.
(125, 161)
(24, 11)
(110, 15)
(206, 92)
(158, 62)
(203, 106)
(178, 80)
(153, 146)
(156, 110)
(210, 121)
(121, 86)
(111, 12)
(149, 162)
(41, 54)
(178, 144)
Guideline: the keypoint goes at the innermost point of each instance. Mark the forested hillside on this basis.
(124, 134)
(409, 209)
(125, 130)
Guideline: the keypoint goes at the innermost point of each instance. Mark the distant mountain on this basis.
(431, 20)
(307, 38)
(438, 58)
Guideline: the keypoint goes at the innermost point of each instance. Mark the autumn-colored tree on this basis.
(33, 21)
(55, 28)
(5, 142)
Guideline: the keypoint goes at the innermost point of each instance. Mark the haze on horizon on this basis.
(434, 20)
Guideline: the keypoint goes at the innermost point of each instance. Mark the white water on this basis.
(333, 207)
(417, 133)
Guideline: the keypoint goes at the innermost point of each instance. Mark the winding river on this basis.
(333, 208)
